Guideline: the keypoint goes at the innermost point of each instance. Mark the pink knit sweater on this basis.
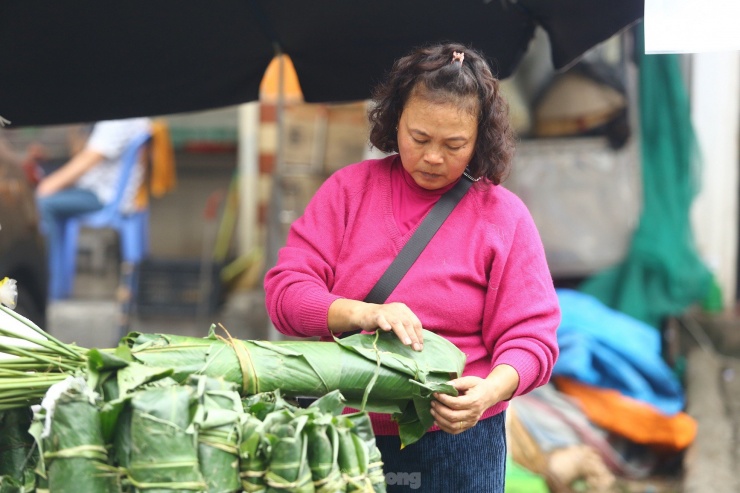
(482, 282)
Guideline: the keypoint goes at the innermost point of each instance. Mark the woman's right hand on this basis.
(347, 315)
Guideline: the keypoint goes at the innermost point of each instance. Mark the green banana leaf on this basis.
(363, 428)
(262, 404)
(374, 372)
(164, 450)
(288, 469)
(18, 456)
(352, 458)
(117, 380)
(69, 435)
(331, 404)
(116, 418)
(115, 374)
(252, 455)
(323, 442)
(217, 421)
(8, 484)
(323, 451)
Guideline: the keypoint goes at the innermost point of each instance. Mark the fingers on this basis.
(465, 397)
(406, 333)
(418, 333)
(398, 318)
(465, 383)
(455, 414)
(453, 421)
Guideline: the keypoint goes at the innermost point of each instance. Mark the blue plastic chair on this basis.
(132, 229)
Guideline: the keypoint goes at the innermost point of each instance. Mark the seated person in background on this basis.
(88, 180)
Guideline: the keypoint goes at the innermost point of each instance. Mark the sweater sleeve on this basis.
(298, 287)
(522, 311)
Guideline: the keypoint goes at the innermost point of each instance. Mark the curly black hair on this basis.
(429, 72)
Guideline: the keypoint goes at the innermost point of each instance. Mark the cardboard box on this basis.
(324, 138)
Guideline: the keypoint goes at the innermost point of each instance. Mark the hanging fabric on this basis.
(661, 273)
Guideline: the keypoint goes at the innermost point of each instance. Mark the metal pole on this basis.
(275, 235)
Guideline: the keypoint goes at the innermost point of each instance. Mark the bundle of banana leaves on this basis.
(374, 372)
(68, 432)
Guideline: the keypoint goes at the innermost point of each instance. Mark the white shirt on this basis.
(111, 138)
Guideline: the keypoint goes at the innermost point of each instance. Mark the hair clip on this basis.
(458, 57)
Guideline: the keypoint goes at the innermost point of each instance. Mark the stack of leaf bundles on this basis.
(201, 436)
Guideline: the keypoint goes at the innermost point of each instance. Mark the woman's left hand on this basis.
(455, 414)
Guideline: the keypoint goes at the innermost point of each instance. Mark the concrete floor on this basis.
(712, 347)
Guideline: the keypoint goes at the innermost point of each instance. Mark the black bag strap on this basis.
(418, 241)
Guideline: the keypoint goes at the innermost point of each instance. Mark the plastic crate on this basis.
(173, 288)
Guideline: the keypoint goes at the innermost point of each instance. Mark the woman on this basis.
(482, 282)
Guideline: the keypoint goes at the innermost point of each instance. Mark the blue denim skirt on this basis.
(473, 461)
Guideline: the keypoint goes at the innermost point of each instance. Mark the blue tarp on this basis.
(603, 347)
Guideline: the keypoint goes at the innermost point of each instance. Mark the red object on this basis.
(34, 173)
(212, 204)
(204, 147)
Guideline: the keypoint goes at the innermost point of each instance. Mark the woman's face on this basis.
(436, 141)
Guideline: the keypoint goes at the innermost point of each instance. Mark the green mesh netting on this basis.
(661, 273)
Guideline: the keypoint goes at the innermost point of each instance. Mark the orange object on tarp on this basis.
(162, 175)
(636, 420)
(270, 85)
